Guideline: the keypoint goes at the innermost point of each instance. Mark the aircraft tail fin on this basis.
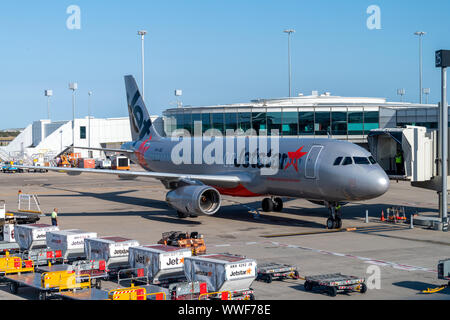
(140, 122)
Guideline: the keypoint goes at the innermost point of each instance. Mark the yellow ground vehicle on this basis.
(180, 239)
(11, 265)
(65, 280)
(132, 293)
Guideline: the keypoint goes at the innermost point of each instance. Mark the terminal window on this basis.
(83, 132)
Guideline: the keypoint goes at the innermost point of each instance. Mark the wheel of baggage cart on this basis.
(251, 296)
(277, 204)
(13, 287)
(296, 275)
(42, 295)
(308, 286)
(363, 288)
(332, 291)
(182, 215)
(268, 278)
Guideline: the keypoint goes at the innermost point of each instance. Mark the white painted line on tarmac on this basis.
(394, 265)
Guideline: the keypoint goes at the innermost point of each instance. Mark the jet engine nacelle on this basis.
(195, 199)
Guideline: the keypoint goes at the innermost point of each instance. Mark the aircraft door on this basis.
(311, 162)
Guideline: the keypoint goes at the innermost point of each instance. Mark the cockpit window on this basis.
(361, 160)
(337, 161)
(372, 160)
(347, 161)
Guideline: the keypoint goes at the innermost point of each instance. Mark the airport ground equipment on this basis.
(194, 240)
(69, 242)
(396, 214)
(10, 167)
(28, 203)
(161, 263)
(443, 274)
(146, 292)
(270, 271)
(114, 250)
(222, 272)
(14, 265)
(95, 269)
(103, 163)
(335, 283)
(33, 236)
(8, 221)
(120, 163)
(48, 283)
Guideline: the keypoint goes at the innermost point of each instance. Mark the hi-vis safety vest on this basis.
(54, 215)
(398, 159)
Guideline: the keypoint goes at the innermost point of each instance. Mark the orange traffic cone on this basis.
(382, 216)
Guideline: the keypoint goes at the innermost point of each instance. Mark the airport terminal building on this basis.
(324, 115)
(345, 118)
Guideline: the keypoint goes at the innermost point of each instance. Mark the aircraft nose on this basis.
(377, 183)
(372, 184)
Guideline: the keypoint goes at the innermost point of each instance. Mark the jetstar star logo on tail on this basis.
(294, 157)
(141, 151)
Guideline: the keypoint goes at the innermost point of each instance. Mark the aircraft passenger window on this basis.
(372, 160)
(347, 161)
(337, 161)
(361, 160)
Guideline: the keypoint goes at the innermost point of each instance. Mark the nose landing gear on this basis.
(334, 221)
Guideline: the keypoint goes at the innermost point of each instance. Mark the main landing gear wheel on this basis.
(277, 204)
(267, 205)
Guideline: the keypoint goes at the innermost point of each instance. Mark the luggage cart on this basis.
(48, 283)
(95, 269)
(270, 271)
(335, 283)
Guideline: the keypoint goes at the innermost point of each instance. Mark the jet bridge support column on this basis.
(443, 61)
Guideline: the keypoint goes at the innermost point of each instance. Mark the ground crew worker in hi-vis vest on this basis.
(399, 162)
(54, 217)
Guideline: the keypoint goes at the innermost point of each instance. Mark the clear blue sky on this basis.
(215, 51)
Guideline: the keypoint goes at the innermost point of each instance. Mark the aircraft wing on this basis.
(216, 180)
(105, 149)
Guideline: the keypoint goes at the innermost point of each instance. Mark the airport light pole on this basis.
(443, 61)
(142, 33)
(426, 92)
(89, 123)
(401, 93)
(289, 31)
(420, 34)
(48, 94)
(73, 86)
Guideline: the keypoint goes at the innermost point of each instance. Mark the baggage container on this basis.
(86, 163)
(32, 236)
(114, 250)
(221, 272)
(160, 261)
(70, 242)
(8, 233)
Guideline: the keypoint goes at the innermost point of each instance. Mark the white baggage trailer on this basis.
(160, 262)
(32, 236)
(70, 242)
(223, 273)
(114, 250)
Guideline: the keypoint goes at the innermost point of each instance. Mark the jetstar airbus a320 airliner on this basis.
(324, 171)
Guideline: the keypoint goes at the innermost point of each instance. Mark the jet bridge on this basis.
(418, 149)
